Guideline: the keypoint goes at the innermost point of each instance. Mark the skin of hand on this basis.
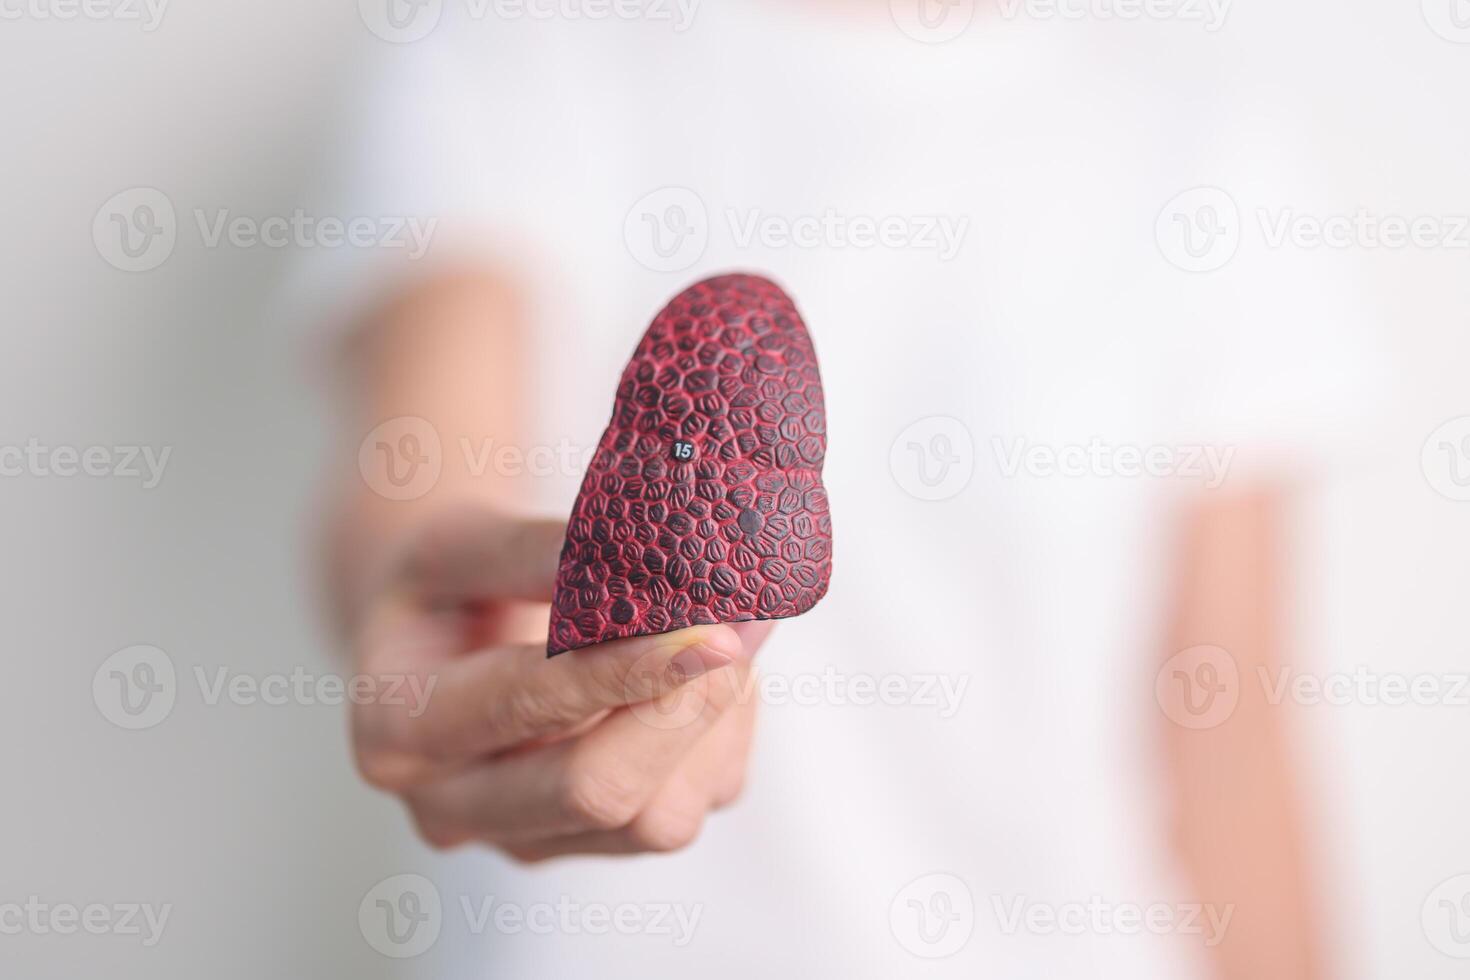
(619, 748)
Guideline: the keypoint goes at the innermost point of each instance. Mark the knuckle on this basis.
(384, 730)
(385, 771)
(617, 681)
(597, 800)
(729, 790)
(432, 831)
(722, 691)
(438, 839)
(524, 711)
(430, 740)
(370, 728)
(665, 829)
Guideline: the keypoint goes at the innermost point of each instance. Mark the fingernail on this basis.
(699, 659)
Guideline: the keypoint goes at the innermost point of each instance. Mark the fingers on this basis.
(613, 748)
(721, 758)
(601, 782)
(493, 700)
(472, 553)
(671, 822)
(708, 778)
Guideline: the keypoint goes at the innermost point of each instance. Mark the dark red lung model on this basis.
(704, 502)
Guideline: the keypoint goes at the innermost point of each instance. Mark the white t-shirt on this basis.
(974, 699)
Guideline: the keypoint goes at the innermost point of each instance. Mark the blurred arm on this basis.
(450, 351)
(1239, 830)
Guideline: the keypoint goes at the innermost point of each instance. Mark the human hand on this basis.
(618, 748)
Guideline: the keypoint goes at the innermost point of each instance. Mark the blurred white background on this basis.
(249, 820)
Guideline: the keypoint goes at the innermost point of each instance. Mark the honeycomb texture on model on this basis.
(704, 501)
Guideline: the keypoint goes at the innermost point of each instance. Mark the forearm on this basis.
(1239, 826)
(448, 352)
